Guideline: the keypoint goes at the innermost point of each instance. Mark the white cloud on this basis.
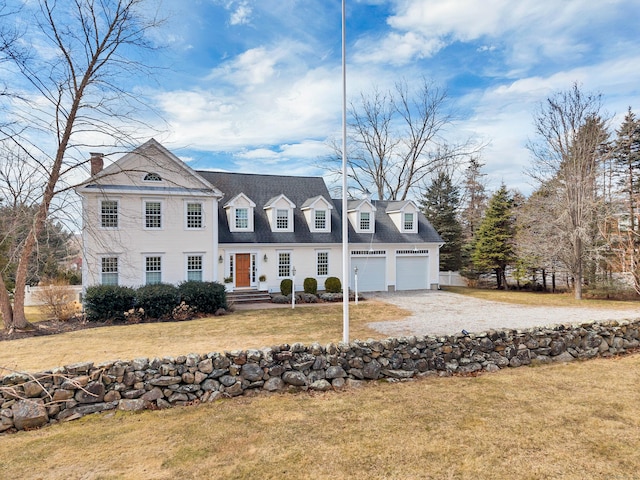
(241, 14)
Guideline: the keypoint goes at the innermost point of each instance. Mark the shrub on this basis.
(157, 301)
(58, 300)
(333, 285)
(108, 302)
(286, 286)
(203, 297)
(310, 285)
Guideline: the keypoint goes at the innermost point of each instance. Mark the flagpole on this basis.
(345, 220)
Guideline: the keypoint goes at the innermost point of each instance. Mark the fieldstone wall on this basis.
(63, 394)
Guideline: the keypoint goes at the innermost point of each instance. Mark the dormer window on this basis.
(404, 214)
(365, 221)
(279, 211)
(317, 213)
(152, 177)
(362, 215)
(240, 213)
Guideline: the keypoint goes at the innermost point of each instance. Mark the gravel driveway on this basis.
(442, 313)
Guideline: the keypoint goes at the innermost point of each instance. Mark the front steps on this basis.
(239, 297)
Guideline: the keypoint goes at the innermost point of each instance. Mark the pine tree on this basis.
(626, 153)
(440, 203)
(494, 242)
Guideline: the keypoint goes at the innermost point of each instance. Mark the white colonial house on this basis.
(150, 218)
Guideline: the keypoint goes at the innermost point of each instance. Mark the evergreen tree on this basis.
(474, 199)
(626, 152)
(494, 242)
(474, 203)
(440, 204)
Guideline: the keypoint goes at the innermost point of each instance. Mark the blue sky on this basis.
(255, 85)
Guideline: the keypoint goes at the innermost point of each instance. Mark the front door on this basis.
(243, 270)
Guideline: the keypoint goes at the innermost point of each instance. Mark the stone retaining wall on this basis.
(63, 394)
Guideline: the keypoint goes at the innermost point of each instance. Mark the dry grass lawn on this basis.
(240, 330)
(541, 299)
(573, 421)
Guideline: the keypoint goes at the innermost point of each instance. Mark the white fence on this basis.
(452, 279)
(31, 298)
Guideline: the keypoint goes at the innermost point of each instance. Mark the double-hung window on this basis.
(365, 221)
(109, 271)
(242, 218)
(321, 219)
(194, 267)
(194, 215)
(153, 214)
(282, 219)
(153, 270)
(408, 221)
(284, 264)
(109, 214)
(322, 264)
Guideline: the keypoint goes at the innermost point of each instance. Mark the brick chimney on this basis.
(97, 163)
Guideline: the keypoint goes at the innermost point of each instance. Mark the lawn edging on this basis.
(71, 392)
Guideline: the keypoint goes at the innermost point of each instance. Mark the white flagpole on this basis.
(345, 220)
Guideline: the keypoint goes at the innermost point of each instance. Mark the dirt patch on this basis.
(49, 327)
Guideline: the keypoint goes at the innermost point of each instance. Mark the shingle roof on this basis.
(262, 188)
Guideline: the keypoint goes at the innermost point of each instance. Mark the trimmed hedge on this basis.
(203, 297)
(159, 300)
(333, 285)
(310, 285)
(286, 286)
(108, 302)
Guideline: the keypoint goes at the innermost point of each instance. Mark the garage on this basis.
(412, 271)
(371, 273)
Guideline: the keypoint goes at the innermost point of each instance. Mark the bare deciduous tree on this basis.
(70, 95)
(397, 139)
(568, 155)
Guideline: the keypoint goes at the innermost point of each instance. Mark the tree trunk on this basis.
(5, 305)
(544, 280)
(577, 275)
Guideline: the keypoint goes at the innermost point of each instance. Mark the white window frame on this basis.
(187, 258)
(186, 214)
(324, 227)
(103, 272)
(236, 211)
(147, 201)
(318, 264)
(287, 215)
(117, 214)
(370, 220)
(147, 257)
(412, 225)
(282, 265)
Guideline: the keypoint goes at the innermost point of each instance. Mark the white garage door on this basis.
(371, 274)
(412, 273)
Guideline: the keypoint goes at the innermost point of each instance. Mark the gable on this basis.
(150, 167)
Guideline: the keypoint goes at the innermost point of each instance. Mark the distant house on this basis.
(150, 218)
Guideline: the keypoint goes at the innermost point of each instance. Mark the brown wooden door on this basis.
(243, 270)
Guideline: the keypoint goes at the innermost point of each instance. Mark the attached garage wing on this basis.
(372, 273)
(412, 271)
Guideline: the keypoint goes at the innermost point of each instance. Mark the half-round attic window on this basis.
(152, 177)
